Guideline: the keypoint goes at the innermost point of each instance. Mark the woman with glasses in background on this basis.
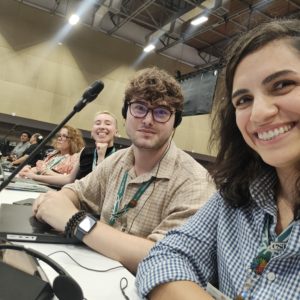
(67, 145)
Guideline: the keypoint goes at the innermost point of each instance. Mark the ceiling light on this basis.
(74, 19)
(199, 20)
(149, 48)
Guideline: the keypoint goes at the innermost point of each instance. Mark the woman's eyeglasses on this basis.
(62, 136)
(160, 114)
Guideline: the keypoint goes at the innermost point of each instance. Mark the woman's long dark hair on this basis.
(236, 163)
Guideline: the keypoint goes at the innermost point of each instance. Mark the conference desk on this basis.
(95, 285)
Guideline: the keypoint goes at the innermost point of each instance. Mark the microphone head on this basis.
(93, 91)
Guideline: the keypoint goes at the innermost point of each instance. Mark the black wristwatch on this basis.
(85, 226)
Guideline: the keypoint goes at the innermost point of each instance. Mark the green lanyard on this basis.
(270, 248)
(54, 161)
(267, 250)
(95, 157)
(117, 212)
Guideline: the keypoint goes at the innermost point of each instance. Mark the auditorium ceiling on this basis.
(167, 23)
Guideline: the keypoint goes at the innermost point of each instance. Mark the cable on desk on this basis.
(123, 279)
(123, 287)
(87, 268)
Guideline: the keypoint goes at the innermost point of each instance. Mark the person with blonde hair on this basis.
(104, 130)
(67, 145)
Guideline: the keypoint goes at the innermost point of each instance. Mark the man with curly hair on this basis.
(140, 192)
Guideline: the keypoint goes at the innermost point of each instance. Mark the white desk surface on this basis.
(10, 196)
(95, 285)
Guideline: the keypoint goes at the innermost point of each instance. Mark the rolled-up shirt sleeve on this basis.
(186, 253)
(91, 188)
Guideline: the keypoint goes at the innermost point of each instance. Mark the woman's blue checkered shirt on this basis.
(219, 243)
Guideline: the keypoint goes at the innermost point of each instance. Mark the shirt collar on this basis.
(163, 169)
(263, 190)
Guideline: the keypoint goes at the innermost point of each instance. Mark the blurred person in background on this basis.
(21, 147)
(35, 139)
(67, 145)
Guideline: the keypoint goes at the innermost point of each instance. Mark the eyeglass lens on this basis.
(62, 136)
(160, 113)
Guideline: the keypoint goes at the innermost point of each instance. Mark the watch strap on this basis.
(73, 222)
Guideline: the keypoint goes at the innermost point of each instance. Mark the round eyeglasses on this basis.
(160, 114)
(62, 136)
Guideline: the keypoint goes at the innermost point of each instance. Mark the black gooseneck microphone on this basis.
(89, 95)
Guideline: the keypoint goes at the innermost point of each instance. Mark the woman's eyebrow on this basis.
(239, 92)
(276, 75)
(264, 82)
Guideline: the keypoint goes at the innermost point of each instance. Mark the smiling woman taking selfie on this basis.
(67, 144)
(246, 239)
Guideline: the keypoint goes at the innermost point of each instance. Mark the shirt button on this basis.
(271, 276)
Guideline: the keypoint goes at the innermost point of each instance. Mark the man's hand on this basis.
(55, 209)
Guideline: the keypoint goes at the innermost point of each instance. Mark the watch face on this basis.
(87, 223)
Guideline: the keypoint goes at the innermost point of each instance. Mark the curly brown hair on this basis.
(153, 84)
(75, 139)
(236, 163)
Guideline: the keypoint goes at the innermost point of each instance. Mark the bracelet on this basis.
(73, 222)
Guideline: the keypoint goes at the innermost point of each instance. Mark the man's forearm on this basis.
(71, 195)
(125, 248)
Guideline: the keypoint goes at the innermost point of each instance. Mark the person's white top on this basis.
(95, 285)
